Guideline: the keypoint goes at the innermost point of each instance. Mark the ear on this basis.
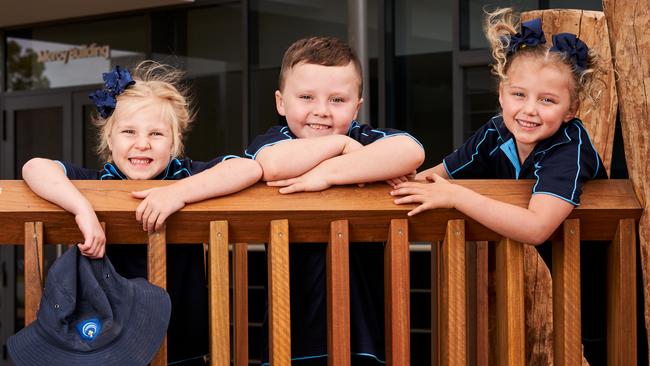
(571, 113)
(279, 103)
(359, 103)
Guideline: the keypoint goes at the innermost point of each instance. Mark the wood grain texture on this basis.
(218, 288)
(278, 292)
(567, 336)
(368, 211)
(338, 295)
(436, 303)
(240, 306)
(33, 269)
(510, 303)
(454, 296)
(621, 297)
(396, 294)
(630, 41)
(157, 274)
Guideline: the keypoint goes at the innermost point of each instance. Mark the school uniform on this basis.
(186, 282)
(307, 279)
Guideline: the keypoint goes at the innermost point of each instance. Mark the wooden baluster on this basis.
(240, 268)
(621, 296)
(157, 273)
(436, 306)
(279, 297)
(453, 330)
(510, 303)
(567, 339)
(33, 255)
(338, 295)
(219, 294)
(482, 310)
(396, 294)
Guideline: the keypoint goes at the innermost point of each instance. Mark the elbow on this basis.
(254, 171)
(32, 166)
(416, 155)
(537, 235)
(270, 170)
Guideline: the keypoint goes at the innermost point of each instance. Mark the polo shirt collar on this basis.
(112, 172)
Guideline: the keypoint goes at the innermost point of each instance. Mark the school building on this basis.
(425, 71)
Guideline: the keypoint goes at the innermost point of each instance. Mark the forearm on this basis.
(438, 169)
(294, 157)
(47, 179)
(384, 159)
(224, 178)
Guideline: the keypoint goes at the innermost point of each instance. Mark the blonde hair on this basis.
(501, 24)
(162, 83)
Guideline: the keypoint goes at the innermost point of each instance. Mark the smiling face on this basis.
(140, 140)
(535, 102)
(319, 100)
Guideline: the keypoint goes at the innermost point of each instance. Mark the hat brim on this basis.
(137, 344)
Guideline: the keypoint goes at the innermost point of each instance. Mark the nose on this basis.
(321, 108)
(142, 142)
(530, 107)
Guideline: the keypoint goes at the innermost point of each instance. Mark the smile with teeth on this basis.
(527, 124)
(317, 126)
(140, 161)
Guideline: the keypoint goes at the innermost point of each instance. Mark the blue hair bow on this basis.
(531, 35)
(115, 82)
(576, 50)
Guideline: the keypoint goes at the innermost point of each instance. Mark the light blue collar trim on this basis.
(510, 150)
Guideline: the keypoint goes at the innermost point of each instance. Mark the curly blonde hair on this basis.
(500, 25)
(163, 84)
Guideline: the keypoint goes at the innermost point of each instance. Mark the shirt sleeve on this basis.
(196, 167)
(74, 172)
(470, 160)
(274, 135)
(366, 134)
(561, 172)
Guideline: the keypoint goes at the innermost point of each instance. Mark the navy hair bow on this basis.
(115, 82)
(531, 34)
(576, 50)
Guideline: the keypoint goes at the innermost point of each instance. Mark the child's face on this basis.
(141, 139)
(535, 101)
(319, 100)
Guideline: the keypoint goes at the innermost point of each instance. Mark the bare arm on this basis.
(227, 177)
(48, 180)
(532, 225)
(438, 169)
(292, 158)
(384, 159)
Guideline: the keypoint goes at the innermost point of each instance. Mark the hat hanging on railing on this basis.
(90, 315)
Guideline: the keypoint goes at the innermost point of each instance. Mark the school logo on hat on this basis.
(90, 315)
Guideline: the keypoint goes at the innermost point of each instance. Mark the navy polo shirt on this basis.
(560, 164)
(307, 278)
(186, 282)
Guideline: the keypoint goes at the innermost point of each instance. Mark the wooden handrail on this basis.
(340, 215)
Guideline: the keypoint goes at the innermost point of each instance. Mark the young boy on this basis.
(322, 145)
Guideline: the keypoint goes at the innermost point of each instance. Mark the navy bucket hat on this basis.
(90, 315)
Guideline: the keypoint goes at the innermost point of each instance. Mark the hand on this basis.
(94, 244)
(157, 205)
(308, 182)
(438, 194)
(403, 179)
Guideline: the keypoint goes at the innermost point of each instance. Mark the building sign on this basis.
(74, 53)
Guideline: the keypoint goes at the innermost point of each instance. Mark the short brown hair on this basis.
(325, 51)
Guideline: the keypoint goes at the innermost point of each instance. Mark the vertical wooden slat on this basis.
(510, 303)
(396, 294)
(33, 269)
(338, 295)
(157, 273)
(621, 296)
(436, 274)
(240, 268)
(279, 297)
(454, 301)
(482, 310)
(219, 296)
(567, 340)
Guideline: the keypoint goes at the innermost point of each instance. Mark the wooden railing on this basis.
(609, 211)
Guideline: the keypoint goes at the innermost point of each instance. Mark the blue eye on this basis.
(337, 100)
(548, 101)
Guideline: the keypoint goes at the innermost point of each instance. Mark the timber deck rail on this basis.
(609, 211)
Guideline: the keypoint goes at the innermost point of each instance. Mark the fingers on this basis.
(414, 198)
(140, 210)
(160, 221)
(94, 246)
(151, 221)
(281, 183)
(297, 187)
(141, 194)
(420, 208)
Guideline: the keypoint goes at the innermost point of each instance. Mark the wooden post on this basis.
(567, 339)
(33, 269)
(279, 297)
(157, 273)
(396, 294)
(454, 297)
(510, 303)
(338, 294)
(219, 294)
(436, 303)
(621, 296)
(240, 268)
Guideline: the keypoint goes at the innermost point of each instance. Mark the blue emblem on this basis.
(89, 329)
